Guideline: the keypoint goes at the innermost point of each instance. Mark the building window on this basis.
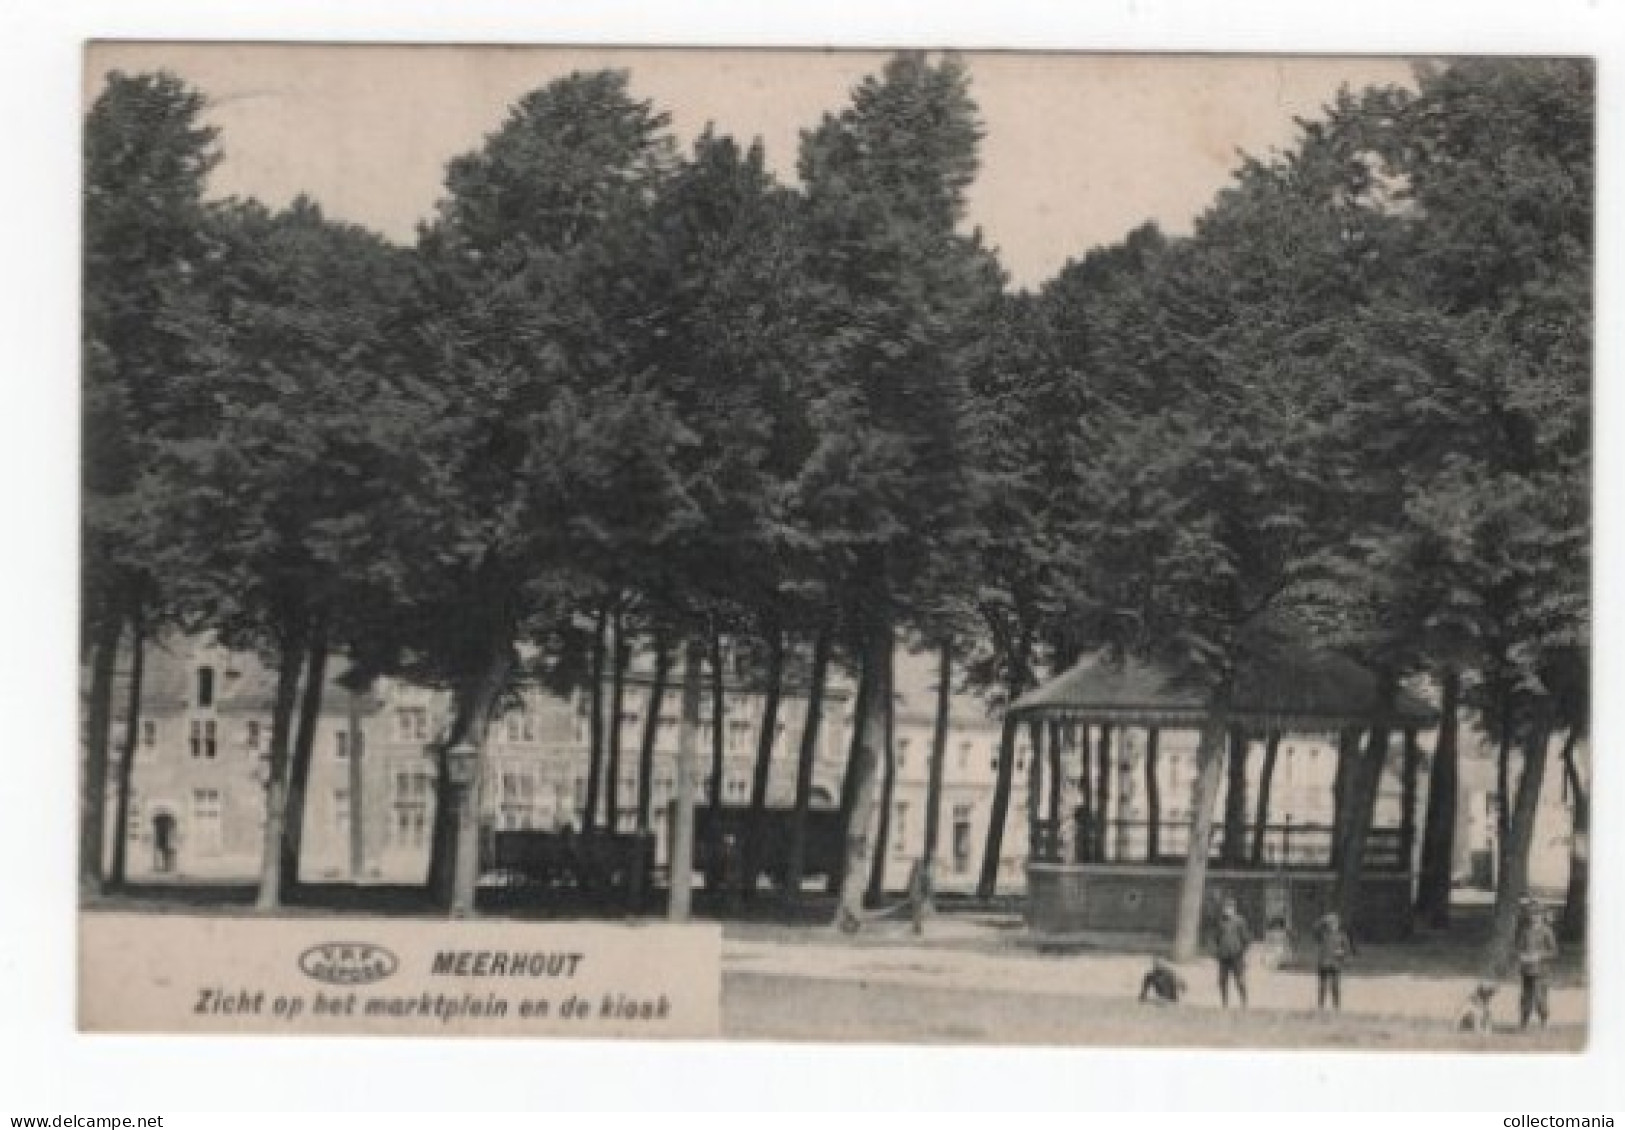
(902, 753)
(202, 739)
(900, 823)
(962, 838)
(251, 738)
(206, 821)
(511, 728)
(412, 724)
(341, 744)
(149, 734)
(409, 828)
(341, 813)
(511, 785)
(964, 755)
(205, 687)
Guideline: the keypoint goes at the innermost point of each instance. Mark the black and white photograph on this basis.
(886, 546)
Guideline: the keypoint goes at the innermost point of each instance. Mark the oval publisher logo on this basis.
(348, 963)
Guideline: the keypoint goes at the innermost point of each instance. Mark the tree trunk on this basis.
(796, 863)
(1514, 877)
(132, 743)
(1348, 757)
(1439, 836)
(99, 726)
(1410, 769)
(304, 743)
(1261, 815)
(849, 779)
(1053, 752)
(290, 665)
(1122, 773)
(681, 863)
(620, 656)
(888, 788)
(443, 831)
(651, 733)
(939, 756)
(1085, 852)
(1153, 797)
(1503, 787)
(595, 722)
(481, 708)
(1077, 834)
(1103, 792)
(1204, 793)
(1576, 900)
(719, 756)
(1233, 853)
(1035, 777)
(871, 731)
(357, 783)
(761, 776)
(987, 883)
(1363, 787)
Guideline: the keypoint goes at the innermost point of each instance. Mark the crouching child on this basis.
(1162, 984)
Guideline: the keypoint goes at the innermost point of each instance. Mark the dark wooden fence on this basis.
(1303, 847)
(607, 860)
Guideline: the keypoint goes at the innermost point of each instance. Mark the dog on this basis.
(1475, 1014)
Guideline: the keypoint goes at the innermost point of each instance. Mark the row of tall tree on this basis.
(624, 396)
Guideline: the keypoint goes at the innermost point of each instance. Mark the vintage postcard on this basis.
(924, 547)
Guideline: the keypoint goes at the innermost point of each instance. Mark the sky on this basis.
(1079, 148)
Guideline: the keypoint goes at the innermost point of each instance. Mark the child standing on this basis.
(1536, 946)
(1231, 939)
(1335, 948)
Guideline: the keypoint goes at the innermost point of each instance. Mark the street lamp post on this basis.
(462, 765)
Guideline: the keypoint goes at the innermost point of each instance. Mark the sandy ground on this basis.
(766, 1007)
(969, 983)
